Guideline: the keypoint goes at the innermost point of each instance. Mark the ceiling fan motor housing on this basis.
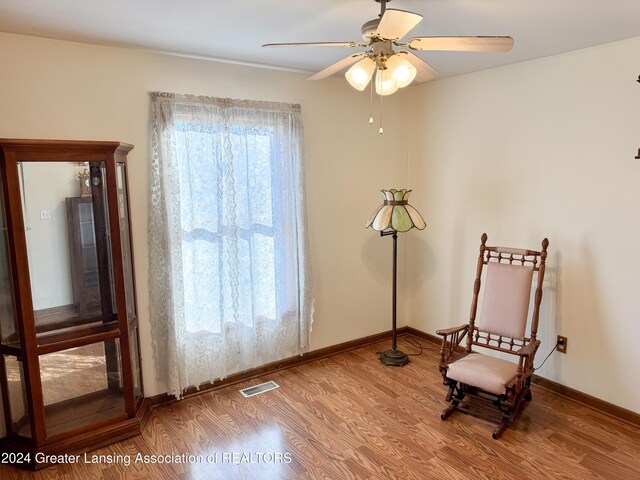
(369, 29)
(382, 50)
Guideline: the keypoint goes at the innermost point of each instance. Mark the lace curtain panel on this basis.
(229, 275)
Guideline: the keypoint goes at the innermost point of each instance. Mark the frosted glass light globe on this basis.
(385, 84)
(401, 70)
(360, 74)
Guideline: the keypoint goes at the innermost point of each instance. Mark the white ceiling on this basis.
(235, 29)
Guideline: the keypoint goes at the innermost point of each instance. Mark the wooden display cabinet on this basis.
(69, 366)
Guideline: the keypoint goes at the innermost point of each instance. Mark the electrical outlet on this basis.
(561, 344)
(45, 214)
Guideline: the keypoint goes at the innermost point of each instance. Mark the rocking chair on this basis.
(485, 385)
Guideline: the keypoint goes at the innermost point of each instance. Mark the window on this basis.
(228, 261)
(244, 240)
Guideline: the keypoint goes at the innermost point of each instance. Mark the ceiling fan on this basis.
(396, 68)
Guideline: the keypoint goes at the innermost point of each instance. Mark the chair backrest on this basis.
(507, 291)
(505, 306)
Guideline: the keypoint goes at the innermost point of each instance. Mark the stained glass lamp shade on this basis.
(396, 213)
(393, 216)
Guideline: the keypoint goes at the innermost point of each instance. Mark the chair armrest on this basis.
(525, 364)
(450, 331)
(455, 336)
(529, 349)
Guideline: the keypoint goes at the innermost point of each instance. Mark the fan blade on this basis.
(425, 71)
(336, 67)
(462, 44)
(316, 44)
(395, 24)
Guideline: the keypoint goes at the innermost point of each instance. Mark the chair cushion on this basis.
(482, 371)
(505, 305)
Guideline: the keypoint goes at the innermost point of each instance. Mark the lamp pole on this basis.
(394, 357)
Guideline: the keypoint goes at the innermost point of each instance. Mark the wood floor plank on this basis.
(350, 417)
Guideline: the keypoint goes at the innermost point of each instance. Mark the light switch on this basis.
(45, 214)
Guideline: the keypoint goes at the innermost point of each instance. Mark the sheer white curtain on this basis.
(228, 265)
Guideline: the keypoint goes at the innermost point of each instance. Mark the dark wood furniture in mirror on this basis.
(85, 274)
(69, 364)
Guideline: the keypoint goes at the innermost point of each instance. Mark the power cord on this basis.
(413, 341)
(415, 344)
(547, 357)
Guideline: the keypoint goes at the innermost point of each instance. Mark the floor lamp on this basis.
(393, 216)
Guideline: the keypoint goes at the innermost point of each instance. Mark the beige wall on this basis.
(62, 90)
(46, 186)
(543, 148)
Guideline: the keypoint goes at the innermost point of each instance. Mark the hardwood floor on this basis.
(350, 417)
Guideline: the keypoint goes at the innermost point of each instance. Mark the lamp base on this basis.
(394, 358)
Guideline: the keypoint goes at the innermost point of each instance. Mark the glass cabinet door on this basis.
(17, 393)
(8, 326)
(129, 285)
(9, 337)
(125, 238)
(66, 218)
(81, 386)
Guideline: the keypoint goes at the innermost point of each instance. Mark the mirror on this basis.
(65, 213)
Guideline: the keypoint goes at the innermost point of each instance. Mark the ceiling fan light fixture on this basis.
(385, 84)
(360, 74)
(395, 69)
(401, 70)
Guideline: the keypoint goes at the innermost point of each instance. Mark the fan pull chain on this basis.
(371, 101)
(381, 131)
